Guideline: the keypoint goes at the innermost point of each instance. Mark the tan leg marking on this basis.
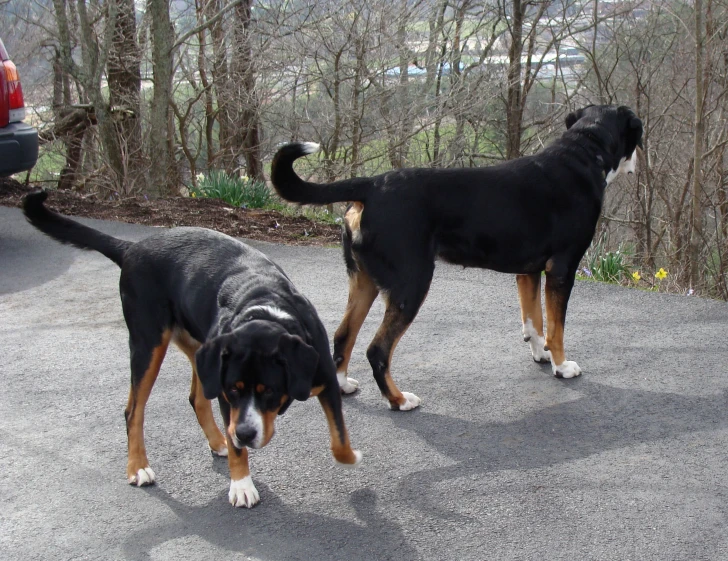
(202, 406)
(555, 325)
(362, 293)
(138, 396)
(269, 422)
(340, 446)
(529, 296)
(388, 336)
(237, 460)
(395, 396)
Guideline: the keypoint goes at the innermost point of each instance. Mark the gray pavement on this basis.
(502, 461)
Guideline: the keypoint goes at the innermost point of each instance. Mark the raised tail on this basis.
(292, 188)
(71, 232)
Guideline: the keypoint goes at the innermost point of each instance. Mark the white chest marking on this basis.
(625, 166)
(272, 310)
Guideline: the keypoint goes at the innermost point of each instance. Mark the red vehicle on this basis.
(18, 141)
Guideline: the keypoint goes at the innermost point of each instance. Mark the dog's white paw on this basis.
(144, 476)
(347, 385)
(412, 402)
(536, 342)
(243, 493)
(538, 353)
(567, 369)
(358, 455)
(222, 452)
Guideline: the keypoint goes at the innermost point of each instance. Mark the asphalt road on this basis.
(502, 461)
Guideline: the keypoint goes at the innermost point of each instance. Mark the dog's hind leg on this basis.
(403, 303)
(330, 400)
(362, 293)
(558, 290)
(146, 359)
(201, 406)
(529, 296)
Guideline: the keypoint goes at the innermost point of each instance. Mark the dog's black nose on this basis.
(245, 434)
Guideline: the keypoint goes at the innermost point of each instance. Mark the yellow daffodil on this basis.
(661, 274)
(636, 276)
(193, 195)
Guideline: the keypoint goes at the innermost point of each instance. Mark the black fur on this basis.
(523, 216)
(200, 285)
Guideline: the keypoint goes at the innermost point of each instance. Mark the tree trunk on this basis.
(696, 207)
(514, 107)
(221, 83)
(163, 173)
(124, 79)
(246, 139)
(72, 139)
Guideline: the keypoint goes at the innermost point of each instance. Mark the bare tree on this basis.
(163, 174)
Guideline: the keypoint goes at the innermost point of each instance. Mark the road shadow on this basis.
(30, 259)
(603, 418)
(277, 532)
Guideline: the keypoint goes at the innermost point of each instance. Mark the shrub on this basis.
(234, 190)
(606, 266)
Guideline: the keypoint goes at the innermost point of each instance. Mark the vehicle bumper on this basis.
(18, 148)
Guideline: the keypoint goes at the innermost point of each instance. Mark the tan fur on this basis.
(555, 324)
(237, 461)
(389, 333)
(202, 406)
(340, 448)
(362, 293)
(529, 296)
(138, 396)
(353, 219)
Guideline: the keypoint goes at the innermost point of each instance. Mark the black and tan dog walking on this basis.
(255, 342)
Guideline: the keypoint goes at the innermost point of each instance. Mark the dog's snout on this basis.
(246, 434)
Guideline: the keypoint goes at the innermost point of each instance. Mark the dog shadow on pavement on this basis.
(603, 418)
(276, 532)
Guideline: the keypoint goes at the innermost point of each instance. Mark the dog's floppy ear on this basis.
(572, 118)
(209, 360)
(301, 361)
(635, 125)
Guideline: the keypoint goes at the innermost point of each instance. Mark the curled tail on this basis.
(292, 188)
(70, 232)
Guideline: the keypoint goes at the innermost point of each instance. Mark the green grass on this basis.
(48, 167)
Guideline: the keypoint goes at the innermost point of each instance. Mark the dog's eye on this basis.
(233, 393)
(268, 393)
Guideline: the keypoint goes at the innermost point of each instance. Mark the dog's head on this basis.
(258, 369)
(619, 131)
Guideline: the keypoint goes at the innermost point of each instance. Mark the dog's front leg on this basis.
(330, 400)
(242, 490)
(558, 290)
(529, 296)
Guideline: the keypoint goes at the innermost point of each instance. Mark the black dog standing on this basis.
(537, 213)
(254, 341)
